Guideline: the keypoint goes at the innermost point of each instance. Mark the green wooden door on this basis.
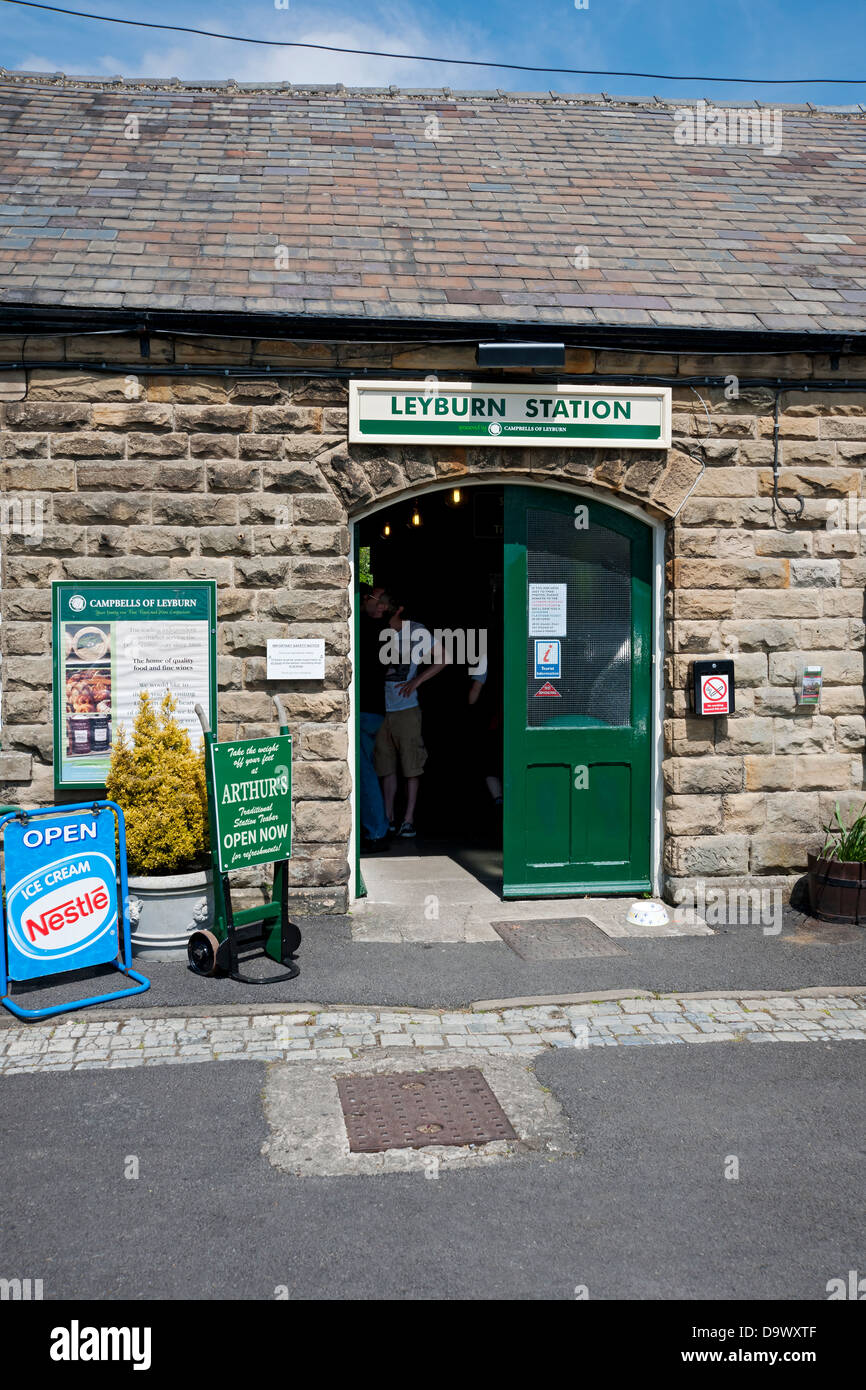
(577, 788)
(360, 885)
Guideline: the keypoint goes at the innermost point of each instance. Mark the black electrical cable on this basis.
(777, 501)
(266, 371)
(55, 328)
(427, 58)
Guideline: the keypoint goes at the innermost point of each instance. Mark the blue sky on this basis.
(755, 38)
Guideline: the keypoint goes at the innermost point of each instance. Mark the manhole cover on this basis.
(557, 938)
(408, 1110)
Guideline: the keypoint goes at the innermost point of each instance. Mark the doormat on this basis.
(557, 938)
(410, 1110)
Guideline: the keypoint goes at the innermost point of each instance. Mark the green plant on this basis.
(847, 844)
(159, 783)
(365, 574)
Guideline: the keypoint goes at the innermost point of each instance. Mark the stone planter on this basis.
(837, 891)
(164, 910)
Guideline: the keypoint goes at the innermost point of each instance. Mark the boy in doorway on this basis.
(399, 741)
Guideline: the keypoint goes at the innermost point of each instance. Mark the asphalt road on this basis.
(337, 970)
(643, 1212)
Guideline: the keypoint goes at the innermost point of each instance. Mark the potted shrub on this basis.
(158, 780)
(837, 876)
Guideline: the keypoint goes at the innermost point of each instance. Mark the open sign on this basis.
(61, 908)
(65, 904)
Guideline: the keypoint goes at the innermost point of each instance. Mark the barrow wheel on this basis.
(202, 950)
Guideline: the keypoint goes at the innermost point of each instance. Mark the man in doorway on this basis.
(374, 608)
(399, 742)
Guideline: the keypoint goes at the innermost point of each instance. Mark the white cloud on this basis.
(37, 63)
(391, 31)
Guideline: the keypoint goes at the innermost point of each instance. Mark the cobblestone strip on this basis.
(81, 1044)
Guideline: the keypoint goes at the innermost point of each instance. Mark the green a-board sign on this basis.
(252, 798)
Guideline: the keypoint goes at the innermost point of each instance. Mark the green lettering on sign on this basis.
(555, 416)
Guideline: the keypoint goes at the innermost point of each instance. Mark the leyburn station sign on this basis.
(397, 412)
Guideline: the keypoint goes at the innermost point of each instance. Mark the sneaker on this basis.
(407, 830)
(392, 826)
(375, 846)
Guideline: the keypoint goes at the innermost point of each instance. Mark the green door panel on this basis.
(577, 785)
(360, 885)
(547, 813)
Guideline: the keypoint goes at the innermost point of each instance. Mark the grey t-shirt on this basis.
(420, 643)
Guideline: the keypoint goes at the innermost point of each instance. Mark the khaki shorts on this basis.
(399, 737)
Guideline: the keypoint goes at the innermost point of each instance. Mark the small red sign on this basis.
(548, 689)
(715, 695)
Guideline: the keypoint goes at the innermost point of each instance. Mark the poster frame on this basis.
(147, 586)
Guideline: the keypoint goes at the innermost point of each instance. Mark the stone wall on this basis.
(252, 483)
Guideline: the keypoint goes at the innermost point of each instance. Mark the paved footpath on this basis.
(630, 1019)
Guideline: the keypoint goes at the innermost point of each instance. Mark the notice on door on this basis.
(548, 610)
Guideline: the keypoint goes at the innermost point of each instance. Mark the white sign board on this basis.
(548, 610)
(466, 412)
(715, 694)
(548, 658)
(296, 658)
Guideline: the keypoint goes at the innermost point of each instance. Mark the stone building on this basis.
(191, 276)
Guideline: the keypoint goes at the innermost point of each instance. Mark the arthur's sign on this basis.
(61, 895)
(400, 412)
(252, 801)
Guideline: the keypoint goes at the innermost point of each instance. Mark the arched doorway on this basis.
(568, 587)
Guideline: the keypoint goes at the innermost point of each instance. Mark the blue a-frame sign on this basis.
(66, 899)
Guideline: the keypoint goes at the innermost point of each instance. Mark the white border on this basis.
(660, 393)
(657, 663)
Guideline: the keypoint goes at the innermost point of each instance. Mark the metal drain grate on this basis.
(409, 1110)
(557, 938)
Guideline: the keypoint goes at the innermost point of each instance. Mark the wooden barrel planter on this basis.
(837, 891)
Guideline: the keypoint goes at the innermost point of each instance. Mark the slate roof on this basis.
(393, 204)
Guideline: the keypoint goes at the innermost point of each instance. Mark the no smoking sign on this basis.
(714, 688)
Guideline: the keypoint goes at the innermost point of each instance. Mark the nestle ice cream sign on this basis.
(61, 898)
(68, 915)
